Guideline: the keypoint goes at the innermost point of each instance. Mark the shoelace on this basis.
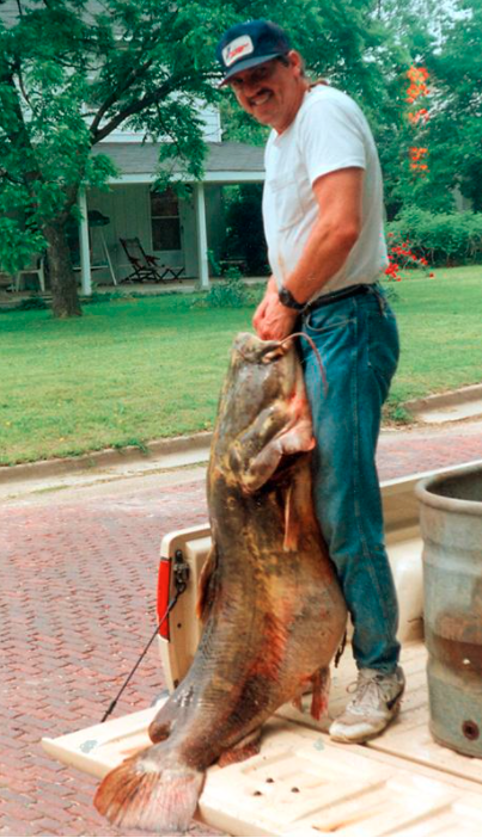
(368, 690)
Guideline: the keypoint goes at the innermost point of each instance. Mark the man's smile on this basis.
(261, 98)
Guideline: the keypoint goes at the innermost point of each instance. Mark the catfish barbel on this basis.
(273, 612)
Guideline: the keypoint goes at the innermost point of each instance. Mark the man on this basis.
(322, 210)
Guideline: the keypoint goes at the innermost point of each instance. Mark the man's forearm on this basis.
(325, 253)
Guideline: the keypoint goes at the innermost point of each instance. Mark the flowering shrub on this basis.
(418, 88)
(401, 255)
(417, 156)
(443, 239)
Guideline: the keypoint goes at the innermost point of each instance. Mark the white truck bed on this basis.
(301, 783)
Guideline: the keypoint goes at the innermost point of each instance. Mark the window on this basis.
(166, 227)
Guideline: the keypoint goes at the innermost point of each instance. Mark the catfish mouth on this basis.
(275, 360)
(253, 350)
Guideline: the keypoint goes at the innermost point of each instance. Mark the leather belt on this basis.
(327, 299)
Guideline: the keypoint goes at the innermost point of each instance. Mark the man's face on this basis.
(271, 92)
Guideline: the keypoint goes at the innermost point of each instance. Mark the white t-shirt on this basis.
(328, 133)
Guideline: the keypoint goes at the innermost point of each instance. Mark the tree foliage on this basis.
(244, 227)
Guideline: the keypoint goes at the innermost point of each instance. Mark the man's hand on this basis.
(272, 320)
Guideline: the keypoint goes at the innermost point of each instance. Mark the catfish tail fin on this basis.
(150, 792)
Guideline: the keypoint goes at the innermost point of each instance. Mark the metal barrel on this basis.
(451, 525)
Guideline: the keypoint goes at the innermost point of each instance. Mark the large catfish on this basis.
(274, 614)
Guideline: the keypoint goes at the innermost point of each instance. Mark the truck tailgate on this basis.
(301, 783)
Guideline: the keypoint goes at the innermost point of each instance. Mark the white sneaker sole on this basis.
(357, 734)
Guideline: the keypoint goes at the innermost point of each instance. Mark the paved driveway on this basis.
(77, 603)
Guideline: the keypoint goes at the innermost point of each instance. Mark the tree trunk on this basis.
(65, 298)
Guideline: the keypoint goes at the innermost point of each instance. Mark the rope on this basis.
(181, 576)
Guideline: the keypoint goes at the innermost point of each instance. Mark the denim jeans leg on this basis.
(358, 341)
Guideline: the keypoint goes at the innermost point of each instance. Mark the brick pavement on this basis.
(77, 603)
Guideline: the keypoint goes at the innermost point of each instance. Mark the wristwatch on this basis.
(286, 299)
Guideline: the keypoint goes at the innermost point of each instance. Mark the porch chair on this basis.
(36, 268)
(147, 268)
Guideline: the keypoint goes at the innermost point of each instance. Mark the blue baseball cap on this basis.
(248, 44)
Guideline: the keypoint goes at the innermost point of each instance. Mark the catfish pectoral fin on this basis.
(297, 702)
(151, 793)
(246, 748)
(292, 523)
(318, 686)
(206, 587)
(321, 681)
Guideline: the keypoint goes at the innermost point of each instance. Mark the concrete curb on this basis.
(157, 449)
(440, 400)
(442, 408)
(107, 458)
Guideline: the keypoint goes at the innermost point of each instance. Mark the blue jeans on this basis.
(357, 339)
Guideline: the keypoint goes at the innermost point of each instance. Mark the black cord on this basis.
(140, 659)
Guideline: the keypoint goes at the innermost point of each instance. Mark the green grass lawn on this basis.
(440, 322)
(138, 369)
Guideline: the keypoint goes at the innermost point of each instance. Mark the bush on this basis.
(230, 292)
(35, 302)
(444, 239)
(102, 297)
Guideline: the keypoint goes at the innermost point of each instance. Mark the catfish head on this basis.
(264, 416)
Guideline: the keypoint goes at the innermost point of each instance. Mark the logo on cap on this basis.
(237, 49)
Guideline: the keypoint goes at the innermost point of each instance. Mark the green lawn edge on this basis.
(137, 369)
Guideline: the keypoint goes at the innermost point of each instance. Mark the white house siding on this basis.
(462, 204)
(212, 123)
(189, 237)
(211, 128)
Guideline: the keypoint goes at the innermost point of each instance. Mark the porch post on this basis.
(202, 236)
(85, 272)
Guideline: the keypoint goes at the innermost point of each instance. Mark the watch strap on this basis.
(286, 299)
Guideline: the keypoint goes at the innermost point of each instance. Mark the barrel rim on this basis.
(428, 498)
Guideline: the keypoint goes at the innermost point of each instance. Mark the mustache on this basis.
(260, 92)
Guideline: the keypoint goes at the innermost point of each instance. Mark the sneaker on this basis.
(375, 705)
